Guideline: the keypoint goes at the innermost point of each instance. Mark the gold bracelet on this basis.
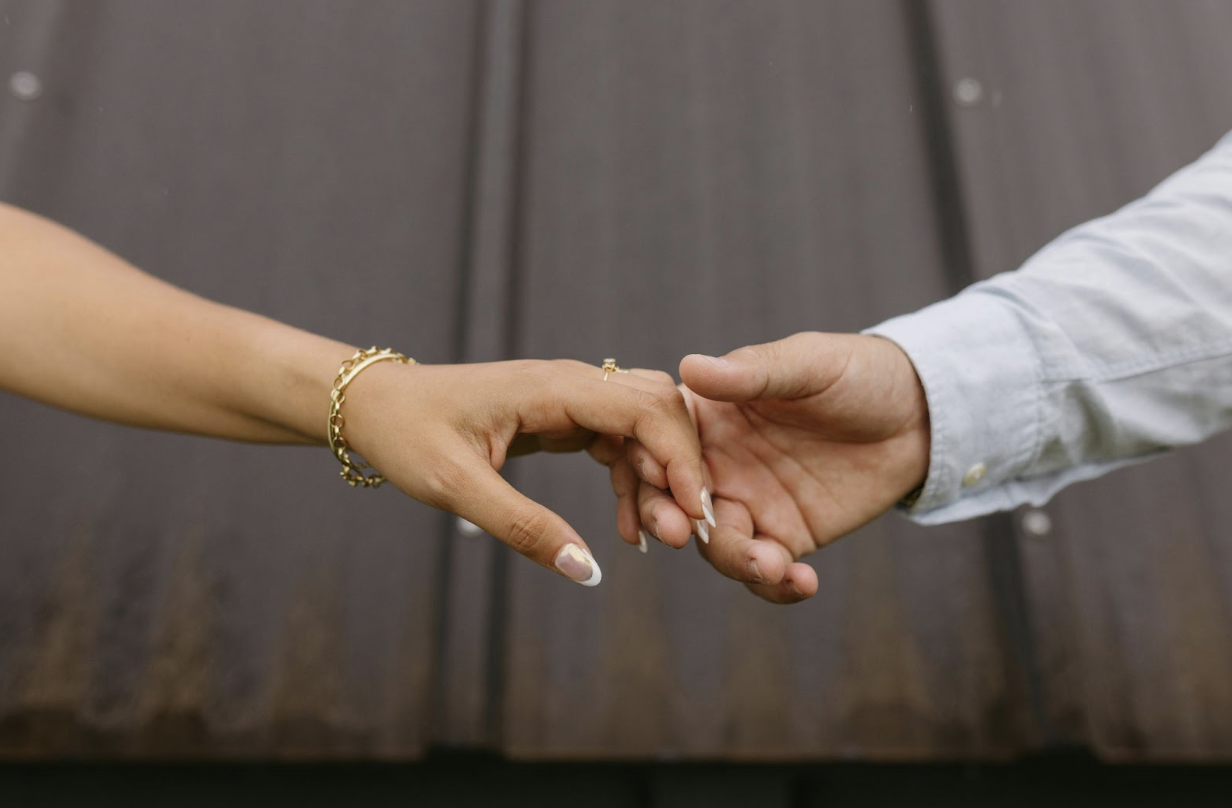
(353, 471)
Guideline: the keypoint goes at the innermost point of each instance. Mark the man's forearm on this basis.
(1110, 344)
(82, 330)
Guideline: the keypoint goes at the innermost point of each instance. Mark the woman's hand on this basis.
(112, 342)
(441, 434)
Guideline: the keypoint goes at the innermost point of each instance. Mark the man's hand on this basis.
(804, 440)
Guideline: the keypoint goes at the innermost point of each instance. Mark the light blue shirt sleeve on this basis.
(1112, 343)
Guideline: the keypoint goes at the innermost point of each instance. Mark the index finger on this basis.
(653, 413)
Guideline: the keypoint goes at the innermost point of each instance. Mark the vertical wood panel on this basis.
(638, 179)
(1086, 106)
(475, 567)
(701, 176)
(161, 595)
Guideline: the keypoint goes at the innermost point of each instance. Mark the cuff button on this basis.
(974, 475)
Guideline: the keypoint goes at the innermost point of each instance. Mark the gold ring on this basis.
(610, 367)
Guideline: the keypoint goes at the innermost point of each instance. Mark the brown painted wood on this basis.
(475, 567)
(701, 176)
(161, 595)
(610, 178)
(1086, 106)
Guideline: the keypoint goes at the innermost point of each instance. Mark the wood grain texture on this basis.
(481, 180)
(1086, 107)
(161, 595)
(701, 176)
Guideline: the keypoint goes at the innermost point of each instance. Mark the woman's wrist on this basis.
(356, 473)
(286, 381)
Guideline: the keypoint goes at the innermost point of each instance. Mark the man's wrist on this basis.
(914, 439)
(976, 366)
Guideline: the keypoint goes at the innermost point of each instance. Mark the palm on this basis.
(805, 480)
(805, 440)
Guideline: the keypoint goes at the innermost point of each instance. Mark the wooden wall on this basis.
(473, 180)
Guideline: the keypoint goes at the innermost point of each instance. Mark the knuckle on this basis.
(526, 531)
(525, 369)
(662, 411)
(648, 402)
(574, 366)
(673, 400)
(767, 353)
(515, 376)
(650, 413)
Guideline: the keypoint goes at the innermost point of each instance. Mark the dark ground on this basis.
(459, 781)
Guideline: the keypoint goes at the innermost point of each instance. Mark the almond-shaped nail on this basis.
(578, 565)
(703, 530)
(641, 540)
(708, 508)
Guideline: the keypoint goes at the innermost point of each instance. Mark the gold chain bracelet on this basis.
(353, 471)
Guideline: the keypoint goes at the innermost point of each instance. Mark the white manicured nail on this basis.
(708, 508)
(703, 530)
(578, 565)
(641, 540)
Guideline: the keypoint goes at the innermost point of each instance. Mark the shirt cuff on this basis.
(981, 377)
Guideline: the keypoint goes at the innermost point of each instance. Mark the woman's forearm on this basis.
(83, 330)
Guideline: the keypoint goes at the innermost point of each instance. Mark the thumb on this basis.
(489, 501)
(795, 367)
